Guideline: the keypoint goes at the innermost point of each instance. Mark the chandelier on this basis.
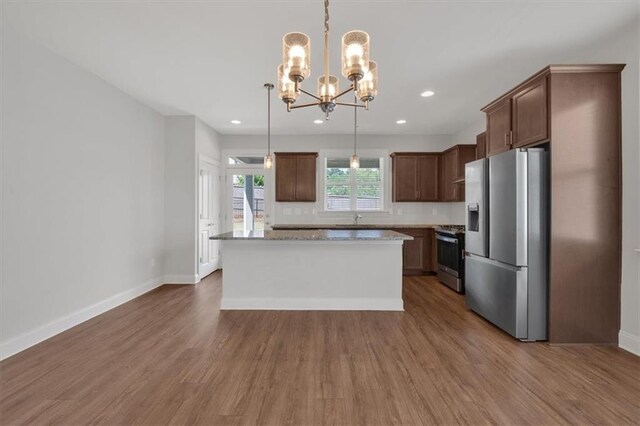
(356, 67)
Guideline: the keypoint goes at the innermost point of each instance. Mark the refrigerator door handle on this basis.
(473, 207)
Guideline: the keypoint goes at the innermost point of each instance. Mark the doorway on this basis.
(247, 205)
(209, 179)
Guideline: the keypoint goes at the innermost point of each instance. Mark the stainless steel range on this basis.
(450, 245)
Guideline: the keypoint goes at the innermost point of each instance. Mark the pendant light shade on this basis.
(268, 161)
(330, 89)
(296, 56)
(368, 86)
(355, 162)
(355, 55)
(286, 88)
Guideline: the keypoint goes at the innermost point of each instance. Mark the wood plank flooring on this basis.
(171, 356)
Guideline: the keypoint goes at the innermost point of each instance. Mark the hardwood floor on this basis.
(171, 356)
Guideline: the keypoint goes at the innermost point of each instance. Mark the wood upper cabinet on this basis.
(415, 177)
(499, 127)
(452, 174)
(405, 178)
(296, 176)
(481, 145)
(529, 114)
(518, 119)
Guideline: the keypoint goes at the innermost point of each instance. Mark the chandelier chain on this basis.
(326, 16)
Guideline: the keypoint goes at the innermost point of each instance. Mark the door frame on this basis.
(215, 163)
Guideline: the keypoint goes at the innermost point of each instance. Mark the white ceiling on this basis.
(211, 58)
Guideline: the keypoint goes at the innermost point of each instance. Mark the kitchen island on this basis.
(312, 270)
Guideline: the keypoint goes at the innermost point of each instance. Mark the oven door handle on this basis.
(447, 239)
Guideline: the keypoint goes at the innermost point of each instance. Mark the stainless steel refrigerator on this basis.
(507, 227)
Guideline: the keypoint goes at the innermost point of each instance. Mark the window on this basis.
(347, 189)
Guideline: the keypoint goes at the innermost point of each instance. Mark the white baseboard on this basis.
(315, 304)
(629, 342)
(181, 279)
(30, 338)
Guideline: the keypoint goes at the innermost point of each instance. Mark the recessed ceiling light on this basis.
(427, 94)
(236, 122)
(401, 121)
(318, 121)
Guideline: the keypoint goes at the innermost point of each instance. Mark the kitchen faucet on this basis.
(356, 217)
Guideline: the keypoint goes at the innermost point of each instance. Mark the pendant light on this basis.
(355, 160)
(268, 159)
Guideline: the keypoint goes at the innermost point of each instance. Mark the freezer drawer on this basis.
(498, 292)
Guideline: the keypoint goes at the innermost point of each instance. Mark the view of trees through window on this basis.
(353, 189)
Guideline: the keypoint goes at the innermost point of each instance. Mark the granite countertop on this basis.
(316, 235)
(358, 226)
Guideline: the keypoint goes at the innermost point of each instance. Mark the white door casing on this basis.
(209, 180)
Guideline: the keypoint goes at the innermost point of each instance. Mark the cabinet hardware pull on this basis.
(506, 139)
(510, 137)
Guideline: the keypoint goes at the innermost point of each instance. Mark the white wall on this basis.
(311, 213)
(82, 195)
(186, 137)
(180, 200)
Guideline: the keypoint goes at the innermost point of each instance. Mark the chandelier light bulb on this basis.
(355, 55)
(328, 90)
(368, 86)
(286, 88)
(296, 49)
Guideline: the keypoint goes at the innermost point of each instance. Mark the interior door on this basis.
(209, 218)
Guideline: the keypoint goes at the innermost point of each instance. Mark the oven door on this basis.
(448, 254)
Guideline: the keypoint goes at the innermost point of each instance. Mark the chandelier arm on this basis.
(342, 93)
(351, 105)
(305, 105)
(309, 94)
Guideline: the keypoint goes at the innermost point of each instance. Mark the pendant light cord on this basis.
(269, 86)
(355, 127)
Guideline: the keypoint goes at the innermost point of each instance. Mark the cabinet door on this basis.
(306, 178)
(430, 255)
(481, 145)
(413, 255)
(428, 178)
(530, 120)
(448, 176)
(405, 178)
(285, 178)
(499, 128)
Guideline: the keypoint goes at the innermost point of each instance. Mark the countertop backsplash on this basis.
(399, 213)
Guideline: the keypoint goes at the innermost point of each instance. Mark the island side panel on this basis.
(312, 275)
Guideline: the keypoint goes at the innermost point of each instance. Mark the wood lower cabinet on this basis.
(416, 176)
(419, 254)
(296, 176)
